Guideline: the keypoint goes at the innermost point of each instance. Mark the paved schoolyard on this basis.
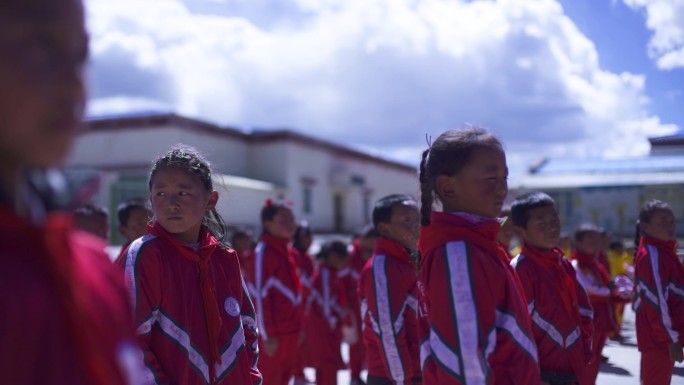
(622, 367)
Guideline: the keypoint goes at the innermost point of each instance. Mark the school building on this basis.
(609, 192)
(331, 186)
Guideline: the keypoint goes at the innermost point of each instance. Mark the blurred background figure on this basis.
(93, 219)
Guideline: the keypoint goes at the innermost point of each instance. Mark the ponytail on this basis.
(215, 225)
(426, 196)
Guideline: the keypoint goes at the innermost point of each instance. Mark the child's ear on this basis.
(382, 228)
(213, 199)
(446, 186)
(122, 231)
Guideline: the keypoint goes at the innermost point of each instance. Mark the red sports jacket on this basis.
(275, 288)
(595, 279)
(65, 315)
(659, 303)
(349, 276)
(174, 325)
(560, 310)
(388, 289)
(325, 313)
(479, 329)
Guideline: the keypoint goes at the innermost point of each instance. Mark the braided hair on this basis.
(188, 159)
(450, 152)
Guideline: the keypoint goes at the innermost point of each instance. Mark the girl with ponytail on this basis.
(478, 321)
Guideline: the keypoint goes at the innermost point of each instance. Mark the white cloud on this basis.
(666, 19)
(378, 73)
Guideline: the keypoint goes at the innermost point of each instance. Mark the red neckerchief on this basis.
(564, 284)
(445, 228)
(588, 261)
(211, 311)
(669, 248)
(391, 248)
(283, 248)
(57, 259)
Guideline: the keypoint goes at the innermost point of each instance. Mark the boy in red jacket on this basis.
(558, 305)
(388, 289)
(659, 303)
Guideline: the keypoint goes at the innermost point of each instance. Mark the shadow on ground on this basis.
(678, 371)
(607, 367)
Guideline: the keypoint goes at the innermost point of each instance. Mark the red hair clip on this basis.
(269, 202)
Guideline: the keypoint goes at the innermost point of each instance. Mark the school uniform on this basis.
(325, 313)
(659, 305)
(560, 311)
(65, 315)
(305, 270)
(350, 279)
(388, 289)
(593, 276)
(277, 293)
(195, 322)
(479, 329)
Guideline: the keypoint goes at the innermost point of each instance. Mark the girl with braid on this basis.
(478, 330)
(194, 318)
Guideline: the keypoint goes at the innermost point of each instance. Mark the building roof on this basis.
(646, 164)
(669, 140)
(151, 119)
(598, 172)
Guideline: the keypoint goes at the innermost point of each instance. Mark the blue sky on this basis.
(552, 78)
(621, 37)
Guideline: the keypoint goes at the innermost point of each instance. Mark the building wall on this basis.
(140, 146)
(614, 208)
(291, 168)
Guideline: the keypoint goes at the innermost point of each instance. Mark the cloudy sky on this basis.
(559, 78)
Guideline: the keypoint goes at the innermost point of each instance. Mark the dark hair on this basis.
(188, 159)
(382, 211)
(646, 213)
(240, 233)
(616, 244)
(449, 153)
(90, 210)
(368, 231)
(271, 208)
(125, 208)
(303, 230)
(585, 229)
(330, 247)
(522, 205)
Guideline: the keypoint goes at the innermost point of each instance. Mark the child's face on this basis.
(480, 187)
(94, 224)
(282, 225)
(43, 52)
(179, 202)
(403, 226)
(661, 226)
(242, 243)
(367, 246)
(305, 241)
(590, 243)
(136, 226)
(336, 260)
(543, 228)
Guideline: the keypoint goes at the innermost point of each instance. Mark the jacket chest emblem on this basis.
(232, 306)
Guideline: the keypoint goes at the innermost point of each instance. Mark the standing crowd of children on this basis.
(429, 294)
